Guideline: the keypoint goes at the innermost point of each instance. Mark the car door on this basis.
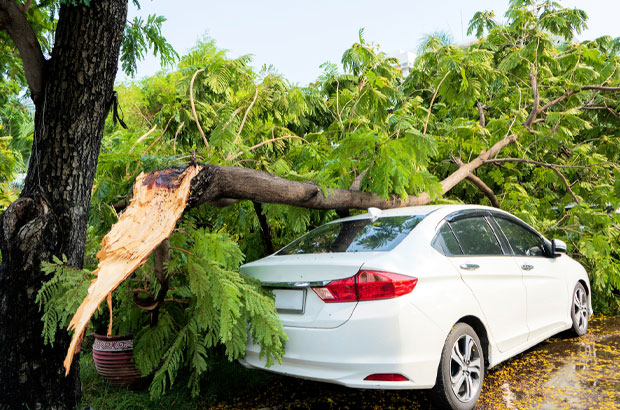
(494, 279)
(545, 284)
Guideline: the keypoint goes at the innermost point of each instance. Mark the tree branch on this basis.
(260, 144)
(265, 230)
(552, 167)
(428, 114)
(573, 92)
(530, 119)
(14, 21)
(139, 140)
(604, 108)
(480, 185)
(161, 255)
(545, 164)
(481, 112)
(24, 7)
(216, 182)
(245, 116)
(191, 100)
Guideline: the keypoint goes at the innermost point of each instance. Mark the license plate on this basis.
(290, 300)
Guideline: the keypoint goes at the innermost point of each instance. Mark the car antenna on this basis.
(374, 212)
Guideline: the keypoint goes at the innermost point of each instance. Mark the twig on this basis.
(191, 99)
(245, 116)
(481, 112)
(158, 138)
(232, 117)
(353, 109)
(428, 114)
(183, 250)
(545, 164)
(139, 140)
(337, 102)
(233, 157)
(530, 119)
(176, 134)
(573, 92)
(605, 108)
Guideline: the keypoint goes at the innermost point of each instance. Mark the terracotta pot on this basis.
(113, 356)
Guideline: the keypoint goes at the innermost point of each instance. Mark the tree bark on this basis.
(51, 215)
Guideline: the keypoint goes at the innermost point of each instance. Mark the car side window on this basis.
(476, 236)
(523, 241)
(445, 241)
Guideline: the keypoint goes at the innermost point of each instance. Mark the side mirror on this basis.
(558, 247)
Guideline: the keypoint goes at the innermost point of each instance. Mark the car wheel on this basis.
(461, 370)
(579, 310)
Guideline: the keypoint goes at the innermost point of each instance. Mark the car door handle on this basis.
(527, 267)
(469, 266)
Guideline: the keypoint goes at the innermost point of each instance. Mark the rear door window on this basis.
(476, 236)
(358, 235)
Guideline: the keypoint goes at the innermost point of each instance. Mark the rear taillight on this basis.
(366, 285)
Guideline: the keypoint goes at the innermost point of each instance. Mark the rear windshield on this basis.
(359, 235)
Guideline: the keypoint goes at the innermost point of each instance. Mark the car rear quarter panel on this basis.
(440, 294)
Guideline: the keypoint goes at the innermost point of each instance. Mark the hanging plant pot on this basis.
(113, 356)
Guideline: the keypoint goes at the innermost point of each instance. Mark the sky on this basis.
(296, 37)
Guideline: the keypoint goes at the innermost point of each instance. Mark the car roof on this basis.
(422, 210)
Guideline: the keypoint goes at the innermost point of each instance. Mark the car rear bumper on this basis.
(387, 336)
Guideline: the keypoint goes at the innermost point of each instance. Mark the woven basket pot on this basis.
(113, 356)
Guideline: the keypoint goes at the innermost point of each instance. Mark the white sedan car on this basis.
(421, 297)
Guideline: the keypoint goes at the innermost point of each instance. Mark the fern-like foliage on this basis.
(210, 305)
(60, 296)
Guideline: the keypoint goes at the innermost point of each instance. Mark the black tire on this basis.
(579, 310)
(466, 372)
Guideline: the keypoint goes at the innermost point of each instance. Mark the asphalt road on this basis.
(560, 373)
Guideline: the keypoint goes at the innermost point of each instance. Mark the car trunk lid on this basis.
(291, 278)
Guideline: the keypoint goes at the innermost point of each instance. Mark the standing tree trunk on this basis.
(51, 215)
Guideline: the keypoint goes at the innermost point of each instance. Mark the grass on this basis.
(225, 382)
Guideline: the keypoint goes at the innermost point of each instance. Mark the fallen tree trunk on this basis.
(217, 184)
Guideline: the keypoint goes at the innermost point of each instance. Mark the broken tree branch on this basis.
(216, 182)
(13, 20)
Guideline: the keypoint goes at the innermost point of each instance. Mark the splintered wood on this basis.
(159, 199)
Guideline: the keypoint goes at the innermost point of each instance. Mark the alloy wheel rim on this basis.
(580, 309)
(465, 368)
